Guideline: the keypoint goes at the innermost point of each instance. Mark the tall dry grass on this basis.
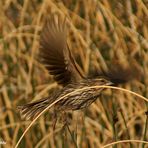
(101, 32)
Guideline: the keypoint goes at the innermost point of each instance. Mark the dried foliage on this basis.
(102, 35)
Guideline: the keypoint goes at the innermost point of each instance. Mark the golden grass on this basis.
(69, 94)
(100, 33)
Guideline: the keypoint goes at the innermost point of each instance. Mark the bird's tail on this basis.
(31, 110)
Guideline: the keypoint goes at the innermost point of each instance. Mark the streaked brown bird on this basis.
(59, 61)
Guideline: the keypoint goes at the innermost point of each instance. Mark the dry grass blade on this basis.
(86, 88)
(124, 141)
(100, 35)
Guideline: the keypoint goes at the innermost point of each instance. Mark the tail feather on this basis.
(31, 110)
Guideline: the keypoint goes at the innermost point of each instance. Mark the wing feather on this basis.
(55, 53)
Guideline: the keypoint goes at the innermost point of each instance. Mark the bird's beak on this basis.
(110, 84)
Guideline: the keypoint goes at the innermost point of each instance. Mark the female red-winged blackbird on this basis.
(58, 60)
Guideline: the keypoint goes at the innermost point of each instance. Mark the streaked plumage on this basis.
(79, 97)
(58, 60)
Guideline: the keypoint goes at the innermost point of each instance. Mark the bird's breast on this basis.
(77, 99)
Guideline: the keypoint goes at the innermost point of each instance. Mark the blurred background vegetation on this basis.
(102, 34)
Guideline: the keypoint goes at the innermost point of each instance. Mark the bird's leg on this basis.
(54, 117)
(54, 120)
(66, 125)
(64, 120)
(63, 129)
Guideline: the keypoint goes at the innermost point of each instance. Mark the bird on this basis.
(77, 90)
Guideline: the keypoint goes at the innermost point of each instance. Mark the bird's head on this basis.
(102, 81)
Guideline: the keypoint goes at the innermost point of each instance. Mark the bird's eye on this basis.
(102, 81)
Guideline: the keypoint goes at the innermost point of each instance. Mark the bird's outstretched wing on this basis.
(55, 53)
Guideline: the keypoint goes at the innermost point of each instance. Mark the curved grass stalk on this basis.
(85, 88)
(124, 141)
